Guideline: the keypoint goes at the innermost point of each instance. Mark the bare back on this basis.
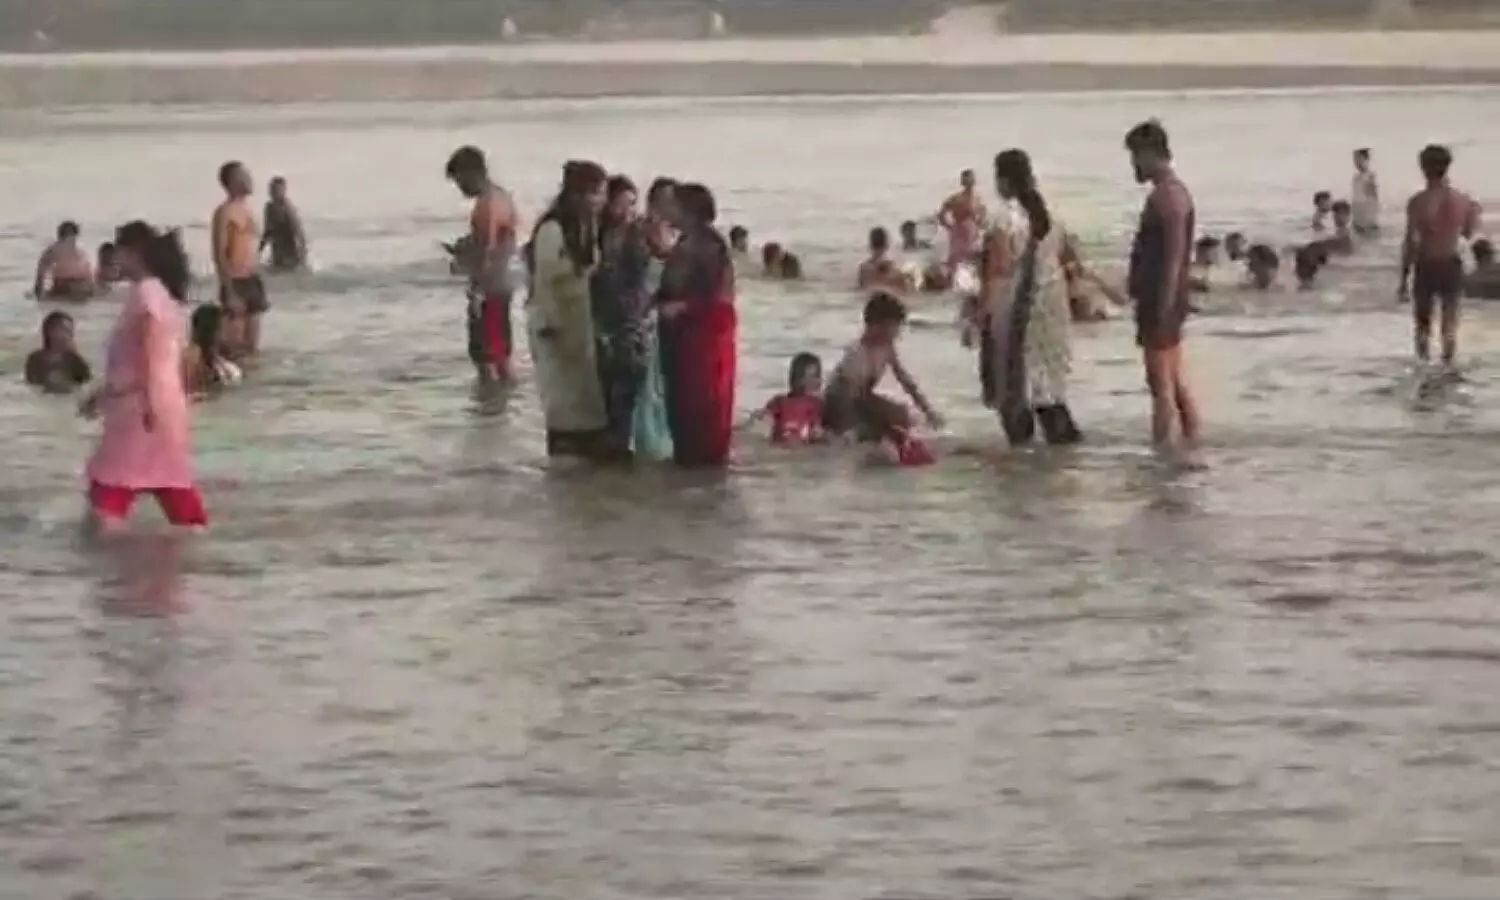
(492, 223)
(1438, 218)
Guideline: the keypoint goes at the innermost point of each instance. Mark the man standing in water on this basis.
(236, 246)
(492, 229)
(962, 216)
(1437, 218)
(1159, 282)
(1364, 195)
(283, 230)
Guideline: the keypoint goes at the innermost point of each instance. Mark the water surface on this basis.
(413, 662)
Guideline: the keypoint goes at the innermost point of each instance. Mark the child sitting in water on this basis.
(851, 404)
(797, 416)
(205, 368)
(56, 367)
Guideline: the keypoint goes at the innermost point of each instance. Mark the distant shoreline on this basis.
(850, 66)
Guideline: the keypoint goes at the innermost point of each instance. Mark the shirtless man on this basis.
(1159, 283)
(63, 271)
(236, 252)
(283, 230)
(1364, 195)
(1437, 218)
(962, 215)
(879, 272)
(493, 224)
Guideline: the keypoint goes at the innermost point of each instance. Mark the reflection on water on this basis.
(411, 660)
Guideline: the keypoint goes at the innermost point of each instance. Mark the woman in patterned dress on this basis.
(1025, 296)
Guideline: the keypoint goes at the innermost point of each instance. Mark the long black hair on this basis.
(572, 213)
(205, 328)
(1014, 168)
(162, 254)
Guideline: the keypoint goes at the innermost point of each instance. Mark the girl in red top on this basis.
(797, 416)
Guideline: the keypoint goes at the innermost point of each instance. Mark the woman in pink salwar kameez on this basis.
(146, 446)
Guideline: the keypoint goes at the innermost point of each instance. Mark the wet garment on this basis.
(1435, 283)
(795, 419)
(251, 291)
(1158, 319)
(281, 233)
(144, 372)
(57, 373)
(699, 348)
(489, 331)
(560, 327)
(623, 322)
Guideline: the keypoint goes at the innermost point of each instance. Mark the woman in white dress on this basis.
(1025, 295)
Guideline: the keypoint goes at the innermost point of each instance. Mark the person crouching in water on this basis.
(146, 444)
(851, 406)
(57, 368)
(879, 271)
(796, 416)
(205, 365)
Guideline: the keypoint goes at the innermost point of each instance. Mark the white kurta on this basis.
(560, 327)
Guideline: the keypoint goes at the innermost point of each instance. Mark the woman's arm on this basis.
(999, 262)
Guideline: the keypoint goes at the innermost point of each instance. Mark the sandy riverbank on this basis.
(934, 64)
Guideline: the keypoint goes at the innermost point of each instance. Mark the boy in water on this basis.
(1364, 195)
(63, 271)
(283, 231)
(493, 224)
(1438, 218)
(1322, 206)
(879, 271)
(851, 404)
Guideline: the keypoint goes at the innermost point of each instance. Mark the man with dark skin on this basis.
(493, 225)
(1159, 283)
(1438, 217)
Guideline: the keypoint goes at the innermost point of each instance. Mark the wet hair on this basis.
(1435, 159)
(68, 229)
(107, 250)
(52, 320)
(884, 309)
(466, 160)
(1322, 197)
(1014, 168)
(1484, 251)
(738, 233)
(1262, 256)
(696, 203)
(1207, 242)
(771, 253)
(660, 186)
(162, 254)
(1342, 207)
(1308, 260)
(570, 210)
(1234, 237)
(226, 172)
(204, 329)
(1362, 153)
(880, 239)
(802, 363)
(791, 267)
(278, 181)
(909, 227)
(1151, 137)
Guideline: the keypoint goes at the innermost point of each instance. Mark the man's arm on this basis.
(1172, 206)
(909, 384)
(43, 266)
(1408, 244)
(945, 213)
(219, 236)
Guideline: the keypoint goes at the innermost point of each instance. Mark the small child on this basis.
(797, 416)
(851, 404)
(204, 366)
(57, 368)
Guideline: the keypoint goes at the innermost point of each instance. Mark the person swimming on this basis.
(1307, 261)
(57, 367)
(739, 241)
(852, 406)
(797, 415)
(282, 230)
(1322, 207)
(205, 364)
(879, 271)
(1205, 259)
(791, 267)
(910, 242)
(1234, 246)
(770, 259)
(1261, 266)
(64, 271)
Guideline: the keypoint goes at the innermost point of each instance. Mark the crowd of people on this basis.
(631, 321)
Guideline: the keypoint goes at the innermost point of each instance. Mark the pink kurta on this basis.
(128, 455)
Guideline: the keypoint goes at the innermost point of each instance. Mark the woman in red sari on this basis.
(697, 334)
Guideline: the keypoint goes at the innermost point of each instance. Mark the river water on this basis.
(410, 661)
